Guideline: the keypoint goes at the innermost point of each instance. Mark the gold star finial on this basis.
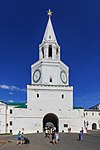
(50, 13)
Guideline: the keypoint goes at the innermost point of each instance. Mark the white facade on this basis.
(3, 117)
(93, 118)
(49, 96)
(9, 123)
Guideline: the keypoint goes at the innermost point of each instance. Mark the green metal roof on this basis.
(21, 106)
(76, 107)
(14, 103)
(18, 105)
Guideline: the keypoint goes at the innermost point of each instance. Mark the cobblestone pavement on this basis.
(91, 141)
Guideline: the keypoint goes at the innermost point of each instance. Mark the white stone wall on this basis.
(75, 123)
(9, 118)
(25, 118)
(92, 116)
(49, 96)
(30, 125)
(49, 101)
(3, 117)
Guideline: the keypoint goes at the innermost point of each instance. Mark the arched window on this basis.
(43, 52)
(50, 79)
(50, 51)
(94, 126)
(57, 51)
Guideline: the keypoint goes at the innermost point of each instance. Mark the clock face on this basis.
(36, 75)
(63, 77)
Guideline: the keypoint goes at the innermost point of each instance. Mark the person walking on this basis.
(53, 137)
(80, 136)
(56, 138)
(22, 138)
(19, 138)
(82, 130)
(46, 132)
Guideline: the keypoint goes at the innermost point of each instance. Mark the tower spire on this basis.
(49, 48)
(49, 34)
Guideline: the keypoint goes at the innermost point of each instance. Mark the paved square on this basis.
(91, 141)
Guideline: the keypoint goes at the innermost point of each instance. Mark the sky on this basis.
(77, 27)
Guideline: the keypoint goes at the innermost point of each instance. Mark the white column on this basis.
(40, 53)
(46, 51)
(54, 51)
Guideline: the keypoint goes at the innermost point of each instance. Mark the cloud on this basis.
(12, 88)
(4, 87)
(10, 101)
(10, 93)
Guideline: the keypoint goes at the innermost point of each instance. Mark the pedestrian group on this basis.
(21, 139)
(51, 133)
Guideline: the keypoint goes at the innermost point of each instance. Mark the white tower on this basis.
(49, 70)
(49, 95)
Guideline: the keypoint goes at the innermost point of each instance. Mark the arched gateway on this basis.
(94, 126)
(50, 120)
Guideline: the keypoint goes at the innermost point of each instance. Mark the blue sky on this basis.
(77, 28)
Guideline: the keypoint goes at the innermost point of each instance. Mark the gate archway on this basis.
(94, 126)
(51, 120)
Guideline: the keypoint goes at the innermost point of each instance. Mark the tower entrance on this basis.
(50, 120)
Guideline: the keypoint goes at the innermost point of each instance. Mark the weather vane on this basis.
(50, 13)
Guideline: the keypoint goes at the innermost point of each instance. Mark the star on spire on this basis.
(50, 13)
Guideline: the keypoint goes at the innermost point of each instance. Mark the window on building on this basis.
(86, 113)
(49, 36)
(99, 114)
(50, 79)
(43, 52)
(10, 131)
(50, 51)
(57, 51)
(37, 95)
(10, 123)
(92, 114)
(10, 111)
(65, 125)
(62, 96)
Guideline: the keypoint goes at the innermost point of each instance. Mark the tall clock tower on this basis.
(49, 96)
(49, 70)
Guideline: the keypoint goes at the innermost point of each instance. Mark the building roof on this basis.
(3, 102)
(76, 107)
(21, 106)
(18, 105)
(94, 107)
(49, 34)
(92, 110)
